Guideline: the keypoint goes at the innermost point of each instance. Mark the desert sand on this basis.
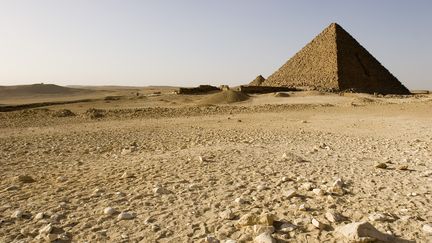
(223, 167)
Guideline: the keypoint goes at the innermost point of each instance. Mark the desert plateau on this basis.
(219, 167)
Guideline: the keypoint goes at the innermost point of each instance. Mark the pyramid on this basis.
(257, 81)
(335, 61)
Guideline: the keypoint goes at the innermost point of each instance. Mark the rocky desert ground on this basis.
(161, 167)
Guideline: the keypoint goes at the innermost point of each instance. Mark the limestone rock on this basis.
(17, 214)
(127, 174)
(227, 214)
(287, 227)
(247, 220)
(211, 239)
(109, 211)
(403, 167)
(334, 217)
(427, 228)
(259, 229)
(380, 217)
(363, 232)
(239, 200)
(290, 193)
(161, 190)
(264, 238)
(24, 179)
(317, 224)
(46, 229)
(308, 186)
(125, 216)
(266, 219)
(39, 216)
(338, 183)
(318, 192)
(381, 165)
(303, 207)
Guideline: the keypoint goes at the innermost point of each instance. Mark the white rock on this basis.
(227, 214)
(17, 214)
(161, 190)
(109, 211)
(46, 229)
(125, 216)
(380, 217)
(363, 232)
(338, 183)
(264, 238)
(201, 159)
(427, 228)
(239, 200)
(127, 175)
(229, 241)
(261, 187)
(307, 186)
(334, 217)
(318, 192)
(285, 179)
(317, 224)
(290, 193)
(287, 227)
(303, 207)
(97, 192)
(51, 237)
(61, 179)
(39, 216)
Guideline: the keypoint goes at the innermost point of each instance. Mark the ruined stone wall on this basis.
(263, 89)
(313, 66)
(198, 90)
(360, 71)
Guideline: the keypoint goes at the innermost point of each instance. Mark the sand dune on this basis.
(38, 89)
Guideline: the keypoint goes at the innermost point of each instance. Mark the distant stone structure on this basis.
(263, 89)
(335, 61)
(198, 90)
(257, 81)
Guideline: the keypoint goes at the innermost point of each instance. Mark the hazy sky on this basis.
(190, 42)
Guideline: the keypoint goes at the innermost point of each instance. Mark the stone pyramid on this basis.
(257, 81)
(335, 61)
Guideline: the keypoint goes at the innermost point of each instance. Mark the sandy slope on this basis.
(177, 170)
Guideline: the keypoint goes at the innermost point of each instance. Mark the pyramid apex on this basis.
(334, 25)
